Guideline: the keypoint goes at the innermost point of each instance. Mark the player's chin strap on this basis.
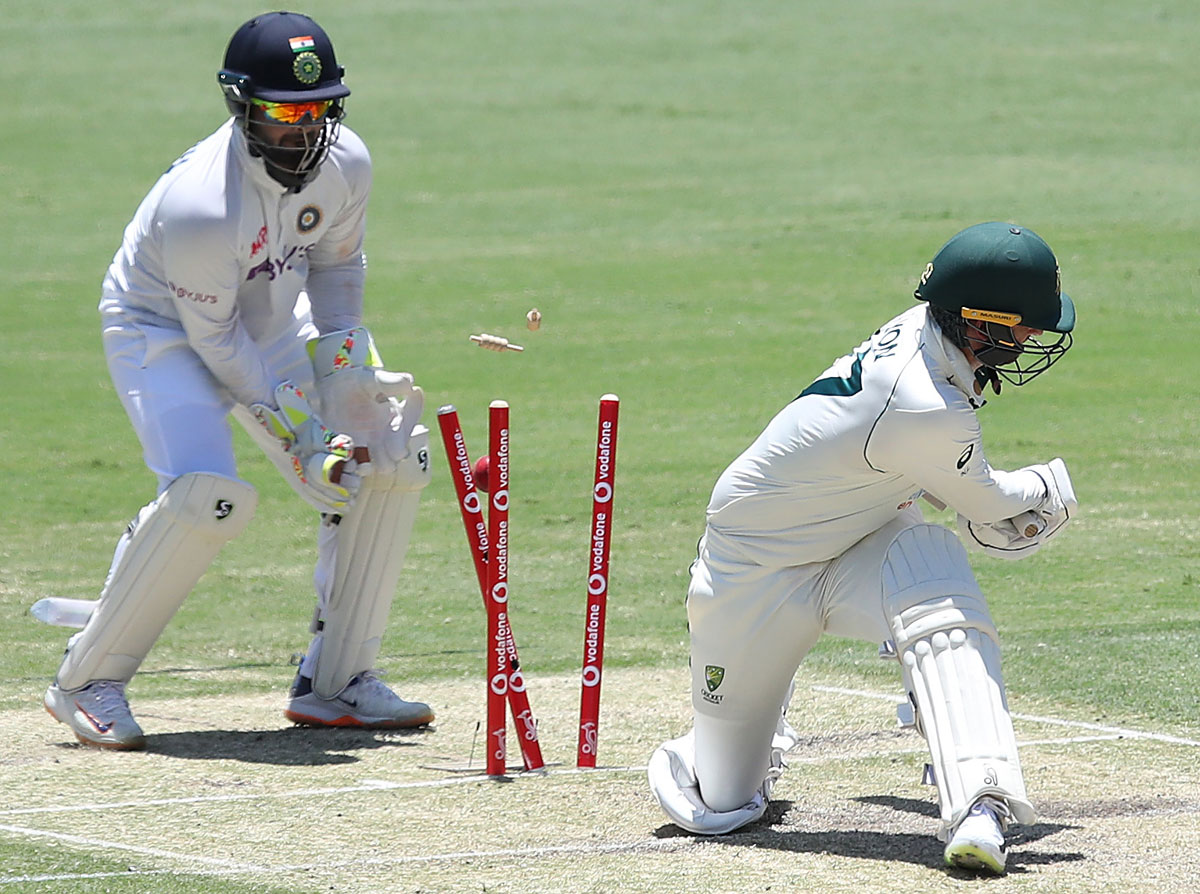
(985, 376)
(381, 411)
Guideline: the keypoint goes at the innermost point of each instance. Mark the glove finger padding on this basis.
(1060, 503)
(392, 384)
(1001, 539)
(378, 408)
(323, 459)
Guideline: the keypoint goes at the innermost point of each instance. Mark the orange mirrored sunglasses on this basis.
(294, 112)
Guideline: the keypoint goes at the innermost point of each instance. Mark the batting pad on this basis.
(372, 539)
(950, 659)
(168, 547)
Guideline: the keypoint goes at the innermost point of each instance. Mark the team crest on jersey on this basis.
(308, 219)
(307, 67)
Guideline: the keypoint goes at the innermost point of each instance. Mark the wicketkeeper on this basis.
(815, 528)
(238, 291)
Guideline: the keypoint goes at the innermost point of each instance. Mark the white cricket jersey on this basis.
(891, 420)
(218, 253)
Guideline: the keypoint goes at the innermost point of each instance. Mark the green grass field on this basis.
(708, 202)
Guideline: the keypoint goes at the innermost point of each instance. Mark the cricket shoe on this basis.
(365, 703)
(98, 714)
(978, 842)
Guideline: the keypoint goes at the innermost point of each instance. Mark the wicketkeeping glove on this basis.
(379, 409)
(321, 457)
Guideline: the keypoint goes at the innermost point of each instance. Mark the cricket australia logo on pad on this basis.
(713, 676)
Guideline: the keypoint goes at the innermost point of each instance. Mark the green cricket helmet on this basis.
(280, 71)
(988, 279)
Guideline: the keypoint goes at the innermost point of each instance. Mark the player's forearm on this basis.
(234, 359)
(336, 296)
(989, 495)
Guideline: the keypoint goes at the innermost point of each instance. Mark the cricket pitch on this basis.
(227, 788)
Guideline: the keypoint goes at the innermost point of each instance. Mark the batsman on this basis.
(815, 528)
(238, 292)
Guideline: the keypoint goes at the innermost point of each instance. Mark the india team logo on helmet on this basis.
(307, 68)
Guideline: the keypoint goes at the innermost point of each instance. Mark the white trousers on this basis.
(180, 411)
(751, 626)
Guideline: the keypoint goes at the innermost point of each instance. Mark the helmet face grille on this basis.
(1015, 362)
(989, 279)
(295, 160)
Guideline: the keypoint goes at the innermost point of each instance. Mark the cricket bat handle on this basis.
(1030, 524)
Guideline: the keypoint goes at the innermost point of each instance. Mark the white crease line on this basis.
(795, 757)
(377, 785)
(230, 865)
(370, 786)
(367, 785)
(667, 844)
(1111, 733)
(1071, 740)
(1117, 731)
(77, 877)
(664, 845)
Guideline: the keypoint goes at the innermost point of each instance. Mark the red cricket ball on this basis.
(480, 472)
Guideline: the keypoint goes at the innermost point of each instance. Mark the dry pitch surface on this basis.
(227, 788)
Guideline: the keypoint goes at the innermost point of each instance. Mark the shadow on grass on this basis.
(289, 747)
(869, 844)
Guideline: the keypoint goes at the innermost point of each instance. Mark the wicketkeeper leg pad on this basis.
(162, 556)
(947, 646)
(372, 540)
(359, 397)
